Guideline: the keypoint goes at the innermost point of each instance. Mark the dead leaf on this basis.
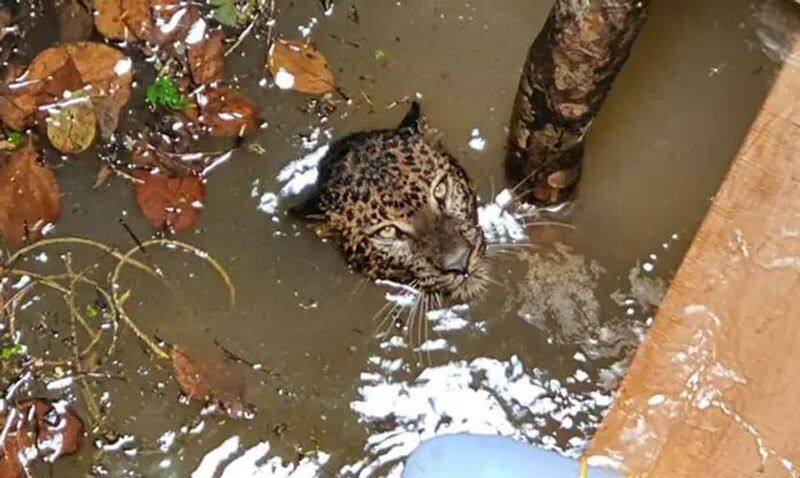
(298, 65)
(40, 429)
(149, 158)
(30, 197)
(74, 20)
(102, 175)
(158, 22)
(101, 71)
(71, 129)
(227, 113)
(110, 21)
(168, 201)
(210, 380)
(174, 19)
(207, 57)
(5, 21)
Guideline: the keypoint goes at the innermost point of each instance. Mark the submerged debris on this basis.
(207, 380)
(37, 429)
(558, 294)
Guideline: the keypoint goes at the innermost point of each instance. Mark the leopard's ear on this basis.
(414, 120)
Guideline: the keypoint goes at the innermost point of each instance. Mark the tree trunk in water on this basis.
(569, 70)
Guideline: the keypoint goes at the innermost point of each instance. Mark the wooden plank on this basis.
(714, 389)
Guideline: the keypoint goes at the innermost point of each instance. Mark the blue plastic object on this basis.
(490, 456)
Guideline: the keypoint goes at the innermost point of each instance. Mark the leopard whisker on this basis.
(496, 282)
(410, 324)
(496, 252)
(511, 248)
(420, 319)
(380, 311)
(549, 224)
(359, 287)
(522, 181)
(388, 317)
(426, 309)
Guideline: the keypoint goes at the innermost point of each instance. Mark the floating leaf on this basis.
(164, 93)
(14, 140)
(207, 58)
(172, 202)
(299, 66)
(16, 350)
(211, 380)
(132, 20)
(37, 429)
(227, 113)
(30, 197)
(225, 12)
(103, 72)
(109, 19)
(71, 128)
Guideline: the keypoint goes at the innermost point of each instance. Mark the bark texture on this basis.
(569, 70)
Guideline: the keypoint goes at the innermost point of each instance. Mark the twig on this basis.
(246, 32)
(77, 240)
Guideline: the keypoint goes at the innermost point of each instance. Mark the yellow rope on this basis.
(584, 467)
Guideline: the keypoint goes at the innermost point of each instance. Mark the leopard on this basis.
(402, 209)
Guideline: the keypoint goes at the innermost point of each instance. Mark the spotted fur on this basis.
(401, 208)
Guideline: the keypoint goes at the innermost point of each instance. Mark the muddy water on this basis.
(656, 154)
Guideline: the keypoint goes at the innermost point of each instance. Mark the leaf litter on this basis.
(30, 197)
(74, 94)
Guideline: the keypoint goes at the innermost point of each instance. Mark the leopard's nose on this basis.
(456, 259)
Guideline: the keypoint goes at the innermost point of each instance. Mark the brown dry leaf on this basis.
(39, 429)
(159, 22)
(30, 197)
(102, 71)
(207, 58)
(174, 19)
(170, 201)
(303, 67)
(102, 175)
(227, 113)
(211, 380)
(5, 21)
(71, 129)
(74, 20)
(109, 19)
(148, 157)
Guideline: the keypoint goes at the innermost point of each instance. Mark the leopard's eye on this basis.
(388, 232)
(440, 191)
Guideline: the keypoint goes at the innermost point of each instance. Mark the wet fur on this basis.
(373, 180)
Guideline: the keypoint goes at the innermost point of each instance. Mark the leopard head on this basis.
(402, 209)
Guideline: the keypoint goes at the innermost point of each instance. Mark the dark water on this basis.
(552, 332)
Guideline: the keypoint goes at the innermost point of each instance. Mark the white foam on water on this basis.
(483, 396)
(231, 460)
(476, 141)
(499, 224)
(197, 32)
(284, 80)
(302, 173)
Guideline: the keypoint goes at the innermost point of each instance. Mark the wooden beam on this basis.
(714, 389)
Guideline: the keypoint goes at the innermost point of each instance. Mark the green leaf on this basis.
(164, 93)
(17, 350)
(257, 148)
(225, 12)
(92, 312)
(380, 55)
(16, 138)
